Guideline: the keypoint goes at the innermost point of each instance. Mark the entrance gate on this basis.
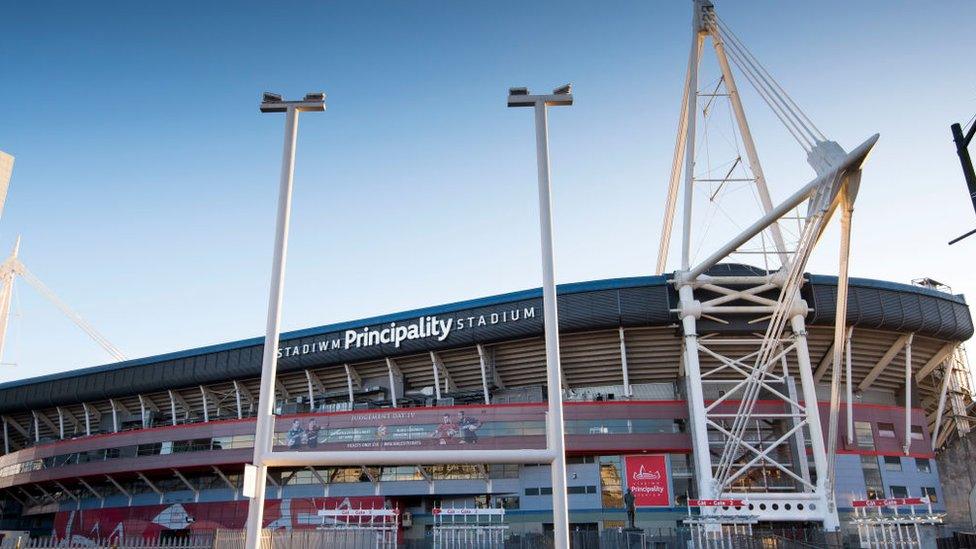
(880, 531)
(713, 532)
(461, 528)
(381, 526)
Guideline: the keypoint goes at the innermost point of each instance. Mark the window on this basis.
(899, 492)
(929, 492)
(886, 430)
(917, 433)
(892, 463)
(402, 472)
(579, 459)
(865, 437)
(922, 465)
(344, 474)
(872, 477)
(532, 491)
(544, 491)
(507, 502)
(611, 488)
(456, 472)
(581, 489)
(504, 470)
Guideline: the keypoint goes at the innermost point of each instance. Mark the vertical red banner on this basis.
(647, 478)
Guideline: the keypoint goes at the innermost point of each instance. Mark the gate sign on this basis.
(468, 511)
(716, 503)
(357, 512)
(890, 502)
(647, 478)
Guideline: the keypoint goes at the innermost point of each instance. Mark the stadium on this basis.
(157, 446)
(731, 395)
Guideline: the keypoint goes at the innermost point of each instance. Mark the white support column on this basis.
(142, 412)
(437, 377)
(6, 437)
(390, 367)
(172, 406)
(849, 384)
(69, 493)
(94, 492)
(691, 118)
(946, 377)
(227, 481)
(84, 407)
(623, 364)
(311, 391)
(119, 487)
(37, 427)
(60, 423)
(151, 485)
(838, 344)
(484, 373)
(798, 325)
(115, 415)
(696, 397)
(265, 424)
(674, 183)
(237, 399)
(908, 394)
(349, 385)
(196, 493)
(203, 400)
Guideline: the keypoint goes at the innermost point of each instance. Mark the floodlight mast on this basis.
(555, 432)
(264, 433)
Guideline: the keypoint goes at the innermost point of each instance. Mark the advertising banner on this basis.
(86, 527)
(647, 479)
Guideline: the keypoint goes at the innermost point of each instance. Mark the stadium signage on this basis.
(647, 479)
(397, 333)
(716, 503)
(890, 502)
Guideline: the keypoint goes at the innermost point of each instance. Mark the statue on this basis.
(629, 501)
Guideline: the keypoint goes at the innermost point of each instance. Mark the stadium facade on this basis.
(158, 445)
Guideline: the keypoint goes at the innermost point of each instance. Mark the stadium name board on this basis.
(433, 327)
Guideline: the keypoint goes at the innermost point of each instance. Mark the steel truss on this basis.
(746, 363)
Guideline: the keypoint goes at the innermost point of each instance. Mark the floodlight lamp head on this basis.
(314, 96)
(563, 90)
(271, 102)
(519, 97)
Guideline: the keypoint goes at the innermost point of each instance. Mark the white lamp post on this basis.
(272, 103)
(519, 97)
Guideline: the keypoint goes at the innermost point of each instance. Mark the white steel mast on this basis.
(753, 343)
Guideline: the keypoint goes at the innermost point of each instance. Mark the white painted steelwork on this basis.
(724, 382)
(265, 416)
(555, 431)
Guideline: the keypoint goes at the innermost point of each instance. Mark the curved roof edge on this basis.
(561, 289)
(830, 280)
(822, 297)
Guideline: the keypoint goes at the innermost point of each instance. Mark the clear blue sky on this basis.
(145, 179)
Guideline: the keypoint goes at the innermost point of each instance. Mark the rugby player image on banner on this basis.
(648, 479)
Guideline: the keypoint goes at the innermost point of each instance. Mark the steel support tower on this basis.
(748, 377)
